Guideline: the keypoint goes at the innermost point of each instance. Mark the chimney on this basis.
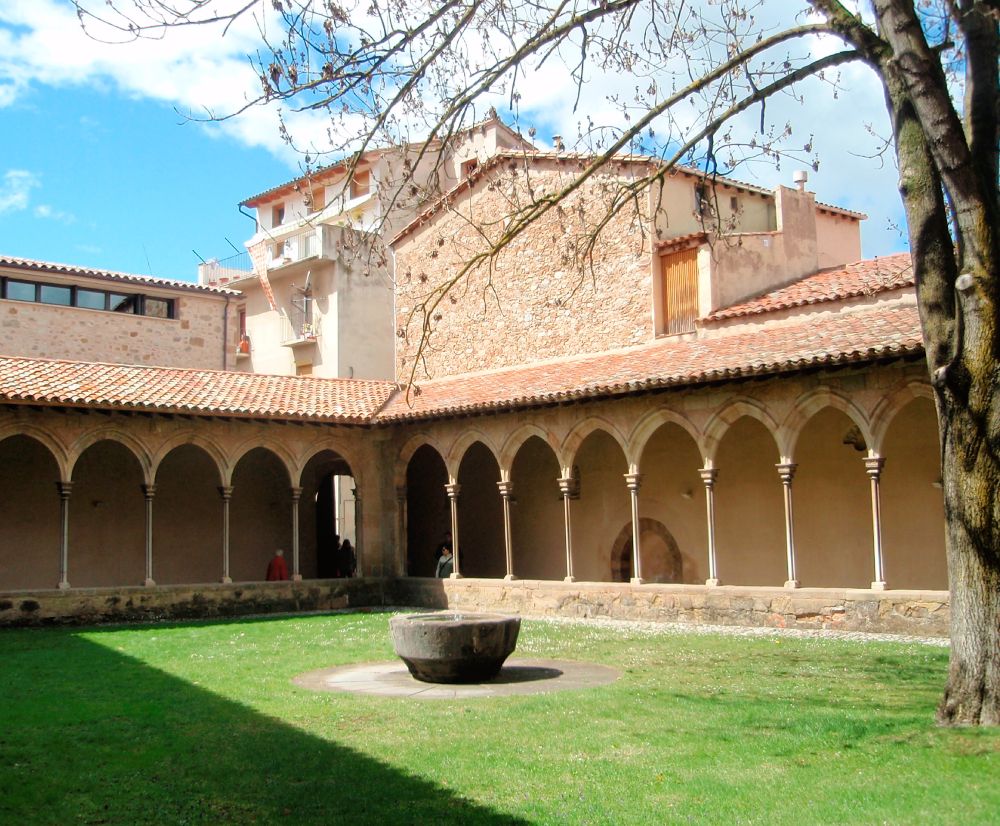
(799, 178)
(557, 142)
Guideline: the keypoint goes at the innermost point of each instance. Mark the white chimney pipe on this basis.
(799, 177)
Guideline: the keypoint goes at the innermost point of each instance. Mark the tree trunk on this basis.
(971, 470)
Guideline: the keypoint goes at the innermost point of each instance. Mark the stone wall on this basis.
(193, 339)
(921, 613)
(545, 296)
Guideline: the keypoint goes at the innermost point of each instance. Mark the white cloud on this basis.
(51, 213)
(15, 190)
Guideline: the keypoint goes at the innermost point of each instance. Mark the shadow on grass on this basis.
(89, 735)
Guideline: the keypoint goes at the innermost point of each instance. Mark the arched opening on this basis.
(428, 513)
(603, 505)
(480, 515)
(187, 518)
(260, 514)
(29, 515)
(673, 494)
(749, 508)
(661, 558)
(536, 519)
(107, 518)
(832, 496)
(912, 505)
(327, 517)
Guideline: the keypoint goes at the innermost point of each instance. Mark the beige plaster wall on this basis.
(535, 302)
(838, 239)
(537, 527)
(193, 339)
(603, 508)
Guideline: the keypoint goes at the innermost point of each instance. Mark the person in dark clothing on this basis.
(348, 560)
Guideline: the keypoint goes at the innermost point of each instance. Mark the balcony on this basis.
(218, 272)
(290, 252)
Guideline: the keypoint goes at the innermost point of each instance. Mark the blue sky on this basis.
(99, 169)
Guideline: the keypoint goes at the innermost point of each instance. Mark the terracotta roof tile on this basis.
(30, 265)
(205, 392)
(842, 338)
(861, 278)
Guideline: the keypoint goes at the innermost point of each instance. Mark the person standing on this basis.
(445, 564)
(277, 568)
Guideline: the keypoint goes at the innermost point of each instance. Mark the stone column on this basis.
(708, 477)
(633, 481)
(359, 533)
(873, 467)
(65, 489)
(226, 492)
(568, 488)
(786, 470)
(149, 491)
(506, 489)
(401, 531)
(296, 495)
(453, 489)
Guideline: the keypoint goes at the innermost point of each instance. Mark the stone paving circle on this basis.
(517, 677)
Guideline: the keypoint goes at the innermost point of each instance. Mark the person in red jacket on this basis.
(277, 568)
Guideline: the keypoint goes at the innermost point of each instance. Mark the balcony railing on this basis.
(220, 271)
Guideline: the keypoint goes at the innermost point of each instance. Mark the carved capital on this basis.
(873, 466)
(226, 492)
(786, 470)
(633, 481)
(708, 476)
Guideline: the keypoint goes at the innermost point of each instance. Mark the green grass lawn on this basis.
(199, 723)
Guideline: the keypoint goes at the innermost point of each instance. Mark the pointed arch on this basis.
(279, 450)
(733, 411)
(113, 433)
(893, 403)
(649, 424)
(55, 446)
(411, 446)
(453, 459)
(578, 435)
(514, 441)
(189, 437)
(811, 403)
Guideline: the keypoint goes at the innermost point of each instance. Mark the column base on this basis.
(509, 578)
(227, 580)
(64, 585)
(296, 577)
(792, 583)
(879, 586)
(713, 583)
(149, 583)
(454, 575)
(636, 580)
(569, 579)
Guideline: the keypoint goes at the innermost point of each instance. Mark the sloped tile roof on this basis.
(866, 277)
(30, 266)
(836, 339)
(202, 392)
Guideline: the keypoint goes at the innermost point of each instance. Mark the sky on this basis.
(101, 166)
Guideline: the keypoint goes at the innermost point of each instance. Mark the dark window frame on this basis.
(139, 299)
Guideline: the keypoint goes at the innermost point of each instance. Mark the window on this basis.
(64, 295)
(51, 294)
(91, 299)
(361, 183)
(318, 198)
(469, 167)
(277, 215)
(679, 271)
(20, 291)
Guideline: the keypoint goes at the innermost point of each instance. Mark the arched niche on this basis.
(327, 516)
(832, 501)
(749, 508)
(480, 515)
(107, 524)
(912, 504)
(260, 514)
(673, 494)
(604, 504)
(187, 518)
(428, 513)
(661, 557)
(537, 527)
(29, 515)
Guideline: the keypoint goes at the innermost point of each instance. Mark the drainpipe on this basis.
(225, 334)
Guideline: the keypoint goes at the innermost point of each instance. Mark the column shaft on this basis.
(506, 489)
(708, 476)
(296, 495)
(453, 489)
(226, 492)
(149, 491)
(873, 467)
(633, 481)
(65, 489)
(568, 487)
(786, 470)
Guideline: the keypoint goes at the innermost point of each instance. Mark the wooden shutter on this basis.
(680, 291)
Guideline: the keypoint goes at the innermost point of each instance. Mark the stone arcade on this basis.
(734, 427)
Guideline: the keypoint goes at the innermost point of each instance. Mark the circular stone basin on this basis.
(453, 647)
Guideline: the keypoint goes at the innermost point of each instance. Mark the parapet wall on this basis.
(918, 613)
